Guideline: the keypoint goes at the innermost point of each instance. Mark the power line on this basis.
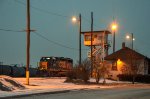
(53, 41)
(64, 46)
(38, 34)
(61, 45)
(52, 13)
(42, 10)
(8, 30)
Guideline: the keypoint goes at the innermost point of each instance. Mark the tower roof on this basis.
(102, 31)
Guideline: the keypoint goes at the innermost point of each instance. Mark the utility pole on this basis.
(132, 59)
(103, 54)
(91, 43)
(28, 43)
(79, 39)
(132, 40)
(114, 42)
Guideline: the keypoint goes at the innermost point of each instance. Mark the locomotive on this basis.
(54, 66)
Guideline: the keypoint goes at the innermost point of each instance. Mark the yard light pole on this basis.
(91, 43)
(114, 28)
(132, 39)
(74, 19)
(132, 55)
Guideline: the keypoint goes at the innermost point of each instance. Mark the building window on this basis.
(88, 38)
(114, 66)
(95, 36)
(100, 37)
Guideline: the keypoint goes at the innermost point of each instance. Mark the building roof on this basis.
(125, 53)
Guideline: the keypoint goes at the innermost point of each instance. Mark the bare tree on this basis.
(133, 66)
(97, 71)
(101, 70)
(82, 71)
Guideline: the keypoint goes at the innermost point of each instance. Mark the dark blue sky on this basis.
(52, 20)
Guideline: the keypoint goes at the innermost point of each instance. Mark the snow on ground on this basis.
(41, 85)
(9, 84)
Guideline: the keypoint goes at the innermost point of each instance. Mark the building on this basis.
(99, 42)
(127, 61)
(98, 37)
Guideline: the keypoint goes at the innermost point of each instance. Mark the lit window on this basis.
(114, 66)
(88, 38)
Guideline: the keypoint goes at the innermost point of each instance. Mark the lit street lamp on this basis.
(132, 57)
(132, 39)
(127, 36)
(74, 20)
(114, 28)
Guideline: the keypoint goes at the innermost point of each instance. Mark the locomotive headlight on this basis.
(48, 58)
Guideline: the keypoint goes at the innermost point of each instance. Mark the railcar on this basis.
(5, 70)
(16, 71)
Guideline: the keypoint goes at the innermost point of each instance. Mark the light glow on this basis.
(119, 62)
(114, 27)
(127, 36)
(74, 19)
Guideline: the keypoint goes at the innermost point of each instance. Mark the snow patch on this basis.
(14, 86)
(8, 84)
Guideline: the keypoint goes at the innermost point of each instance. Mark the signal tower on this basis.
(99, 45)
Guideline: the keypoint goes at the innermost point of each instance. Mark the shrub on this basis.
(81, 71)
(138, 78)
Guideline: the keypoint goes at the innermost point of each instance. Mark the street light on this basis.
(132, 54)
(75, 20)
(132, 39)
(114, 28)
(127, 36)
